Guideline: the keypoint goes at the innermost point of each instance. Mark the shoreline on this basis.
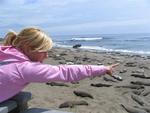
(105, 99)
(103, 51)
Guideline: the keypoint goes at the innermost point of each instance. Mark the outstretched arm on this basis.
(36, 72)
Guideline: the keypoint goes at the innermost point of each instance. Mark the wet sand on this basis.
(132, 69)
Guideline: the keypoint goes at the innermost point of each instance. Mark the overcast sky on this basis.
(76, 16)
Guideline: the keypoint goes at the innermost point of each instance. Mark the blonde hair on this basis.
(33, 37)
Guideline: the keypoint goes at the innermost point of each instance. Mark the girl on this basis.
(21, 60)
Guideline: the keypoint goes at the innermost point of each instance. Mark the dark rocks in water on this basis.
(82, 94)
(101, 85)
(130, 109)
(57, 84)
(77, 45)
(71, 104)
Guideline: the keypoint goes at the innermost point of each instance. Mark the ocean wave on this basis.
(64, 46)
(107, 49)
(116, 50)
(86, 39)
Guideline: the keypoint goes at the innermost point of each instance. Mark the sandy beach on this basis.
(111, 96)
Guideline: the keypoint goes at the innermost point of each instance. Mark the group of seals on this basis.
(137, 89)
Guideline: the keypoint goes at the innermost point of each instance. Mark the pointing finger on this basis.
(114, 65)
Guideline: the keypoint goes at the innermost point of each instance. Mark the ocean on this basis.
(123, 43)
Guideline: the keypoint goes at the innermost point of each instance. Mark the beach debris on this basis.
(71, 104)
(57, 84)
(131, 86)
(99, 63)
(82, 94)
(69, 63)
(117, 77)
(139, 100)
(108, 79)
(77, 46)
(130, 109)
(101, 85)
(140, 83)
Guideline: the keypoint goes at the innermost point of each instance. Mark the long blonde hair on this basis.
(33, 37)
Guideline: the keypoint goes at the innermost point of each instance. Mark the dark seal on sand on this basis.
(77, 46)
(82, 94)
(71, 104)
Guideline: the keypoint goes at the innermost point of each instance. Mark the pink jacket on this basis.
(17, 71)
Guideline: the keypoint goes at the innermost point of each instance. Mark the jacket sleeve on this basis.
(37, 72)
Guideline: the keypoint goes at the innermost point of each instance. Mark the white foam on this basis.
(115, 50)
(63, 46)
(106, 49)
(87, 39)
